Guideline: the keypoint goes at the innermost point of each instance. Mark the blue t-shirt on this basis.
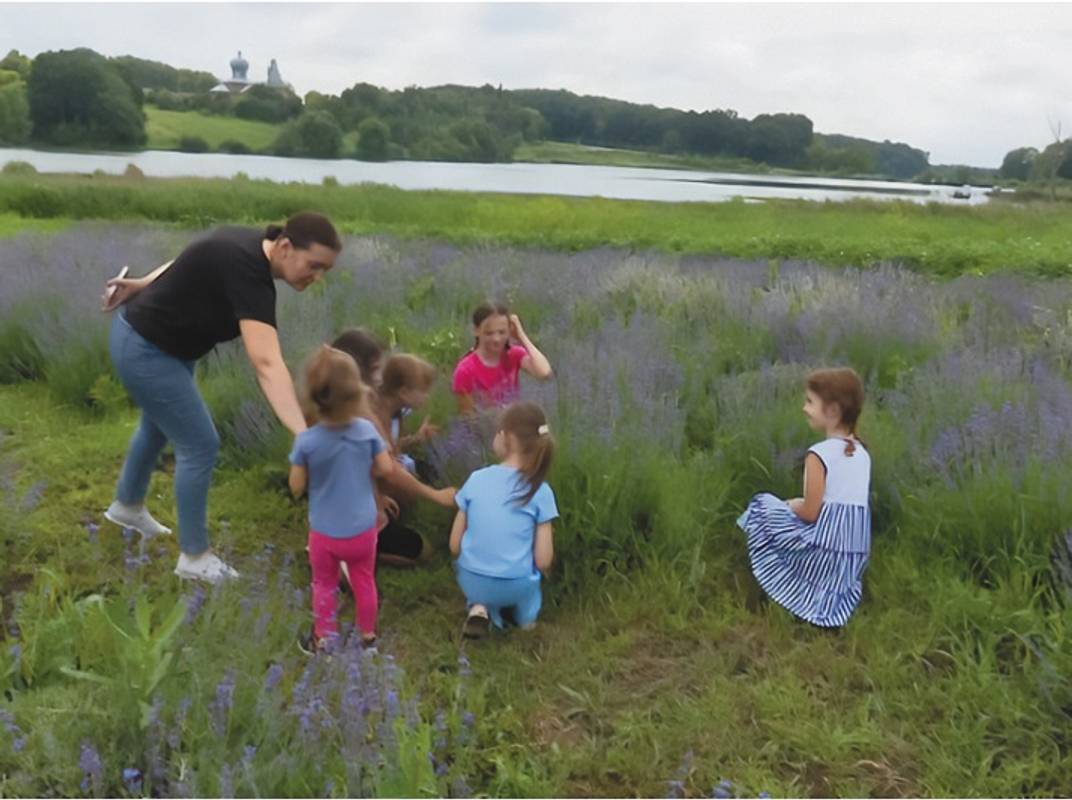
(342, 502)
(500, 532)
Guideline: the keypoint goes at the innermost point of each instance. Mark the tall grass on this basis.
(676, 396)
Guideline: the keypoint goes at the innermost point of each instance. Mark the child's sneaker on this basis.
(136, 517)
(205, 567)
(476, 624)
(308, 643)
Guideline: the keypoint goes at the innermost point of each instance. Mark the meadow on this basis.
(658, 668)
(1033, 239)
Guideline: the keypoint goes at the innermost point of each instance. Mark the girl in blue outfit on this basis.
(809, 554)
(502, 533)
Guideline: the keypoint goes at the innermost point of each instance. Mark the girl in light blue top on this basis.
(502, 534)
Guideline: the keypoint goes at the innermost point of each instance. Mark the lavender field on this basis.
(657, 669)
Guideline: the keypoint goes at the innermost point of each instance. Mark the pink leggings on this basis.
(359, 554)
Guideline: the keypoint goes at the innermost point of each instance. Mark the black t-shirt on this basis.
(197, 303)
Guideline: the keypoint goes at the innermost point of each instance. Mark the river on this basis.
(622, 183)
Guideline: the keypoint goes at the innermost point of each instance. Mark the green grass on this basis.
(952, 679)
(936, 239)
(165, 128)
(570, 153)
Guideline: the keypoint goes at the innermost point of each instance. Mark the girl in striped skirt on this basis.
(809, 553)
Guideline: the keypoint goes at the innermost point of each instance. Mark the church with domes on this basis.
(239, 82)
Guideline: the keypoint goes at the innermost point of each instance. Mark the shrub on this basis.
(234, 147)
(21, 168)
(193, 144)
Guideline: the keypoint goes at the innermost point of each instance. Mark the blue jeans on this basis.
(171, 410)
(522, 594)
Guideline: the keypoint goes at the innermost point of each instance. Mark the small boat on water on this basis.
(963, 193)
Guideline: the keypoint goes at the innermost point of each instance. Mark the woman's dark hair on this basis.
(485, 310)
(334, 391)
(363, 347)
(528, 424)
(843, 386)
(306, 229)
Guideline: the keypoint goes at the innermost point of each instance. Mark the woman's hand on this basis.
(445, 497)
(795, 504)
(120, 290)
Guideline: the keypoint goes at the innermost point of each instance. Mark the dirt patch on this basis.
(10, 585)
(549, 728)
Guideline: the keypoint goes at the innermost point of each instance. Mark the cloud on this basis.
(967, 82)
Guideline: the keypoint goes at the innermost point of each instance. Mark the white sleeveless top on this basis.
(848, 478)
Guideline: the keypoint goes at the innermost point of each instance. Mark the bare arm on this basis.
(544, 548)
(809, 506)
(299, 479)
(456, 532)
(465, 404)
(383, 465)
(535, 363)
(262, 347)
(119, 290)
(408, 485)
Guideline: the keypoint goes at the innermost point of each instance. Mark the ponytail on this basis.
(844, 387)
(528, 424)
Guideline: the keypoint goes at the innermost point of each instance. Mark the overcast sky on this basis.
(966, 82)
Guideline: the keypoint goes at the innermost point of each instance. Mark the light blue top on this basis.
(342, 502)
(500, 532)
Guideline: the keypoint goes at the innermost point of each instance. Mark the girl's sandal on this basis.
(476, 625)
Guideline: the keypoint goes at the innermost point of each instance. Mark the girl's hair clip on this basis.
(544, 430)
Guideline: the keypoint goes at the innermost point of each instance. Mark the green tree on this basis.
(374, 139)
(77, 98)
(14, 110)
(1017, 163)
(268, 104)
(17, 63)
(315, 134)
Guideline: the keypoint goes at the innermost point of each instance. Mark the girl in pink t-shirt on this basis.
(487, 376)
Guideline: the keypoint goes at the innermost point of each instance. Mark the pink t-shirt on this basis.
(489, 386)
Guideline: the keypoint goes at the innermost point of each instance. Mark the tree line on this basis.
(79, 97)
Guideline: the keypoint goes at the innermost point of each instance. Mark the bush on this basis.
(234, 147)
(193, 144)
(132, 171)
(19, 168)
(315, 134)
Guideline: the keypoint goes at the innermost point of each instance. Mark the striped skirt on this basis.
(813, 570)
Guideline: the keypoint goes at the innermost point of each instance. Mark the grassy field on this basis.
(165, 128)
(657, 668)
(569, 153)
(936, 239)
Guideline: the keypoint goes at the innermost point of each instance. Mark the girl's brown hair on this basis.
(306, 229)
(528, 424)
(403, 371)
(843, 386)
(485, 310)
(334, 391)
(363, 347)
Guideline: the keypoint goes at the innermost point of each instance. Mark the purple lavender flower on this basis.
(464, 667)
(92, 769)
(226, 781)
(91, 532)
(272, 677)
(194, 602)
(33, 496)
(221, 705)
(132, 780)
(468, 719)
(723, 790)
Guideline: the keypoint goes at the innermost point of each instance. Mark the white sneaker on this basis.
(136, 517)
(205, 567)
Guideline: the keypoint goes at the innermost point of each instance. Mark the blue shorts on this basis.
(522, 594)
